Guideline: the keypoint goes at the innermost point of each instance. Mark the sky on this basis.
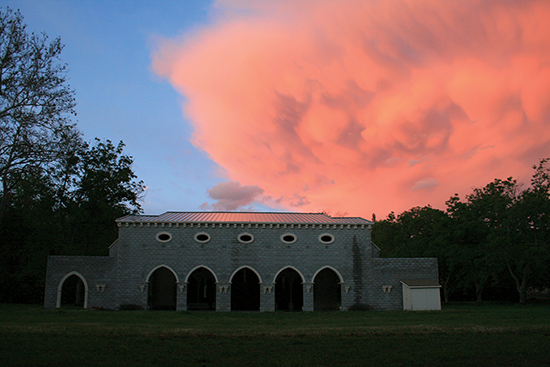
(349, 107)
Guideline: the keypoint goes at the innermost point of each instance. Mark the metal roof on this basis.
(421, 283)
(243, 217)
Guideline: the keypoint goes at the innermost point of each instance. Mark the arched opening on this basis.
(162, 290)
(289, 295)
(73, 292)
(201, 290)
(326, 291)
(245, 291)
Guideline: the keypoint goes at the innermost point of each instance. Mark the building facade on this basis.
(236, 261)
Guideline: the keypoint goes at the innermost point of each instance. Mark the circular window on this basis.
(289, 238)
(164, 237)
(245, 238)
(202, 237)
(326, 238)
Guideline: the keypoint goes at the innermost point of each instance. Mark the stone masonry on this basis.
(222, 245)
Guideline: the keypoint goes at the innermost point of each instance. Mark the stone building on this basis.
(227, 261)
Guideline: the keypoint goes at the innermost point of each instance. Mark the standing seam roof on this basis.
(244, 217)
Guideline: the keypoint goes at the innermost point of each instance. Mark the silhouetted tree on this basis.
(35, 103)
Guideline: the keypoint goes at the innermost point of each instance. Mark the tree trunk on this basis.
(479, 291)
(521, 285)
(5, 197)
(446, 288)
(479, 288)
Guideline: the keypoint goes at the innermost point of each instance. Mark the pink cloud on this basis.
(367, 106)
(232, 196)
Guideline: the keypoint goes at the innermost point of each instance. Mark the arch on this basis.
(327, 292)
(331, 268)
(60, 288)
(245, 289)
(198, 267)
(247, 267)
(201, 289)
(158, 267)
(161, 291)
(289, 267)
(289, 290)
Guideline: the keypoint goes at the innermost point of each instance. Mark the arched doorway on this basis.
(162, 290)
(289, 295)
(73, 292)
(326, 291)
(201, 290)
(245, 291)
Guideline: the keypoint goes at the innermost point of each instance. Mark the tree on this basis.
(474, 260)
(512, 227)
(104, 189)
(526, 248)
(65, 209)
(36, 103)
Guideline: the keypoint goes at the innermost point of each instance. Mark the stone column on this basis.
(181, 297)
(308, 296)
(267, 297)
(223, 297)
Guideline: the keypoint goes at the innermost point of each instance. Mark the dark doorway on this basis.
(201, 291)
(162, 290)
(245, 291)
(326, 291)
(289, 294)
(73, 292)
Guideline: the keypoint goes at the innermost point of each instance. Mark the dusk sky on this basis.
(357, 107)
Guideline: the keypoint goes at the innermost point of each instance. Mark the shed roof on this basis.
(421, 283)
(243, 217)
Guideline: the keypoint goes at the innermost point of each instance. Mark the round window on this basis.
(245, 238)
(326, 238)
(202, 237)
(289, 238)
(164, 237)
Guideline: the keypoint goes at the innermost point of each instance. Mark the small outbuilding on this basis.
(421, 295)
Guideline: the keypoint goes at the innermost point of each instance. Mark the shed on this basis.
(421, 295)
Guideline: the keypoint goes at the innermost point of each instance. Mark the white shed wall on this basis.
(421, 299)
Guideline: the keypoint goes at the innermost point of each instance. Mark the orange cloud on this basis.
(369, 106)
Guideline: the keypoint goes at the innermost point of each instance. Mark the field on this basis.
(459, 335)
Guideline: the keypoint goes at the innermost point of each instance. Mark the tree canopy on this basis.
(36, 103)
(59, 195)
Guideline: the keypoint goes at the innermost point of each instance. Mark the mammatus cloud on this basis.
(232, 196)
(367, 106)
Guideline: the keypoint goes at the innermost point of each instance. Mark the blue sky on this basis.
(107, 48)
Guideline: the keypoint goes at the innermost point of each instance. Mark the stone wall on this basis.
(138, 253)
(97, 273)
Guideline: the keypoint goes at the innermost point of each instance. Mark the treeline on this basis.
(58, 194)
(68, 208)
(493, 245)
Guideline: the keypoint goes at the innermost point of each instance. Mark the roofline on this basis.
(153, 218)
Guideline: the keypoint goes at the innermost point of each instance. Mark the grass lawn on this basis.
(459, 335)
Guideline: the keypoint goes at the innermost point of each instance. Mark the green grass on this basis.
(459, 335)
